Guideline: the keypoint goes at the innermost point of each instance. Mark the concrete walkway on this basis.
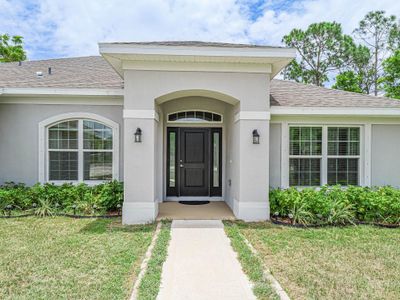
(201, 264)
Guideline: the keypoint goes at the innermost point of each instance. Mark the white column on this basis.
(139, 167)
(253, 202)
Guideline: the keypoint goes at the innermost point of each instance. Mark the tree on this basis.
(391, 79)
(356, 75)
(375, 30)
(11, 48)
(348, 81)
(322, 47)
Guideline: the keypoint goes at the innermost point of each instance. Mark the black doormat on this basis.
(194, 202)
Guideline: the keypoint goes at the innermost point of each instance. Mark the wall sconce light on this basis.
(138, 135)
(256, 137)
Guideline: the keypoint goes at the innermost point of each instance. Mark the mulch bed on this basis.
(288, 222)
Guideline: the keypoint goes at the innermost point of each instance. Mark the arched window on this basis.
(195, 116)
(80, 149)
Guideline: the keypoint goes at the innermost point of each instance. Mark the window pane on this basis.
(172, 159)
(305, 141)
(97, 166)
(343, 141)
(63, 165)
(216, 159)
(96, 136)
(64, 135)
(305, 172)
(343, 171)
(194, 116)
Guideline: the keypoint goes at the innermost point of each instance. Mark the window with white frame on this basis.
(343, 155)
(321, 155)
(305, 154)
(80, 150)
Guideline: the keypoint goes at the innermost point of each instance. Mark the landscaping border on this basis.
(64, 215)
(305, 226)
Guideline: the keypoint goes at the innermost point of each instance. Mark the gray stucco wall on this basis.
(385, 158)
(19, 137)
(275, 156)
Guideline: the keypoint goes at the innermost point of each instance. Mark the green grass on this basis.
(251, 264)
(355, 262)
(150, 284)
(63, 258)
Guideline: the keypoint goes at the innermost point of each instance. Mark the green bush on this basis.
(49, 199)
(337, 205)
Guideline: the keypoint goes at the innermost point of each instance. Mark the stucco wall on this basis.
(385, 158)
(213, 105)
(19, 137)
(275, 155)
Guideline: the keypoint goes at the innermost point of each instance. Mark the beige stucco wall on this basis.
(242, 92)
(19, 135)
(275, 155)
(385, 149)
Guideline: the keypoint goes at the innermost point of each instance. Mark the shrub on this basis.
(48, 199)
(337, 205)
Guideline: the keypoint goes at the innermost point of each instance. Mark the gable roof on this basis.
(93, 72)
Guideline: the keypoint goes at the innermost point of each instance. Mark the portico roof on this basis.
(257, 58)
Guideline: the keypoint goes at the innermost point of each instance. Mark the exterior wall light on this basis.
(138, 135)
(256, 137)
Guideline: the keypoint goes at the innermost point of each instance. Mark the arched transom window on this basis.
(80, 150)
(195, 116)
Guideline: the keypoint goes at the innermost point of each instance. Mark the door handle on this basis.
(181, 165)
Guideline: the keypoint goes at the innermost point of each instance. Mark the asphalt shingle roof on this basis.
(95, 72)
(76, 72)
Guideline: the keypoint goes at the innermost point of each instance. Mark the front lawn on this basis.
(54, 258)
(355, 262)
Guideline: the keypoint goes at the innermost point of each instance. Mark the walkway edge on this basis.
(144, 265)
(267, 273)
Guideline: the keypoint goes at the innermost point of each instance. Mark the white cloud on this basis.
(55, 28)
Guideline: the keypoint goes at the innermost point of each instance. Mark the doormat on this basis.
(194, 202)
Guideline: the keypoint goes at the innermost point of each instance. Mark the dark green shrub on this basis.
(337, 205)
(48, 199)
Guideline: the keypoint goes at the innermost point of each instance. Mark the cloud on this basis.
(57, 28)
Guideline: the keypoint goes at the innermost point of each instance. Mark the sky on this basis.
(67, 28)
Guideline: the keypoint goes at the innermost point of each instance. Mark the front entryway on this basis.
(194, 162)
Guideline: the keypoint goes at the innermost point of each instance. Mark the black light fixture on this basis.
(256, 137)
(138, 135)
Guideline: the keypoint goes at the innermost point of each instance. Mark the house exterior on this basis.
(190, 121)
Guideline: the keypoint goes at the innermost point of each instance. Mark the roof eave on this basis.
(116, 53)
(60, 92)
(335, 111)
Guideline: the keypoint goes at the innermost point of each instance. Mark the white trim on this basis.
(216, 51)
(367, 154)
(252, 115)
(334, 111)
(61, 91)
(139, 212)
(43, 125)
(285, 155)
(140, 114)
(179, 66)
(251, 211)
(64, 100)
